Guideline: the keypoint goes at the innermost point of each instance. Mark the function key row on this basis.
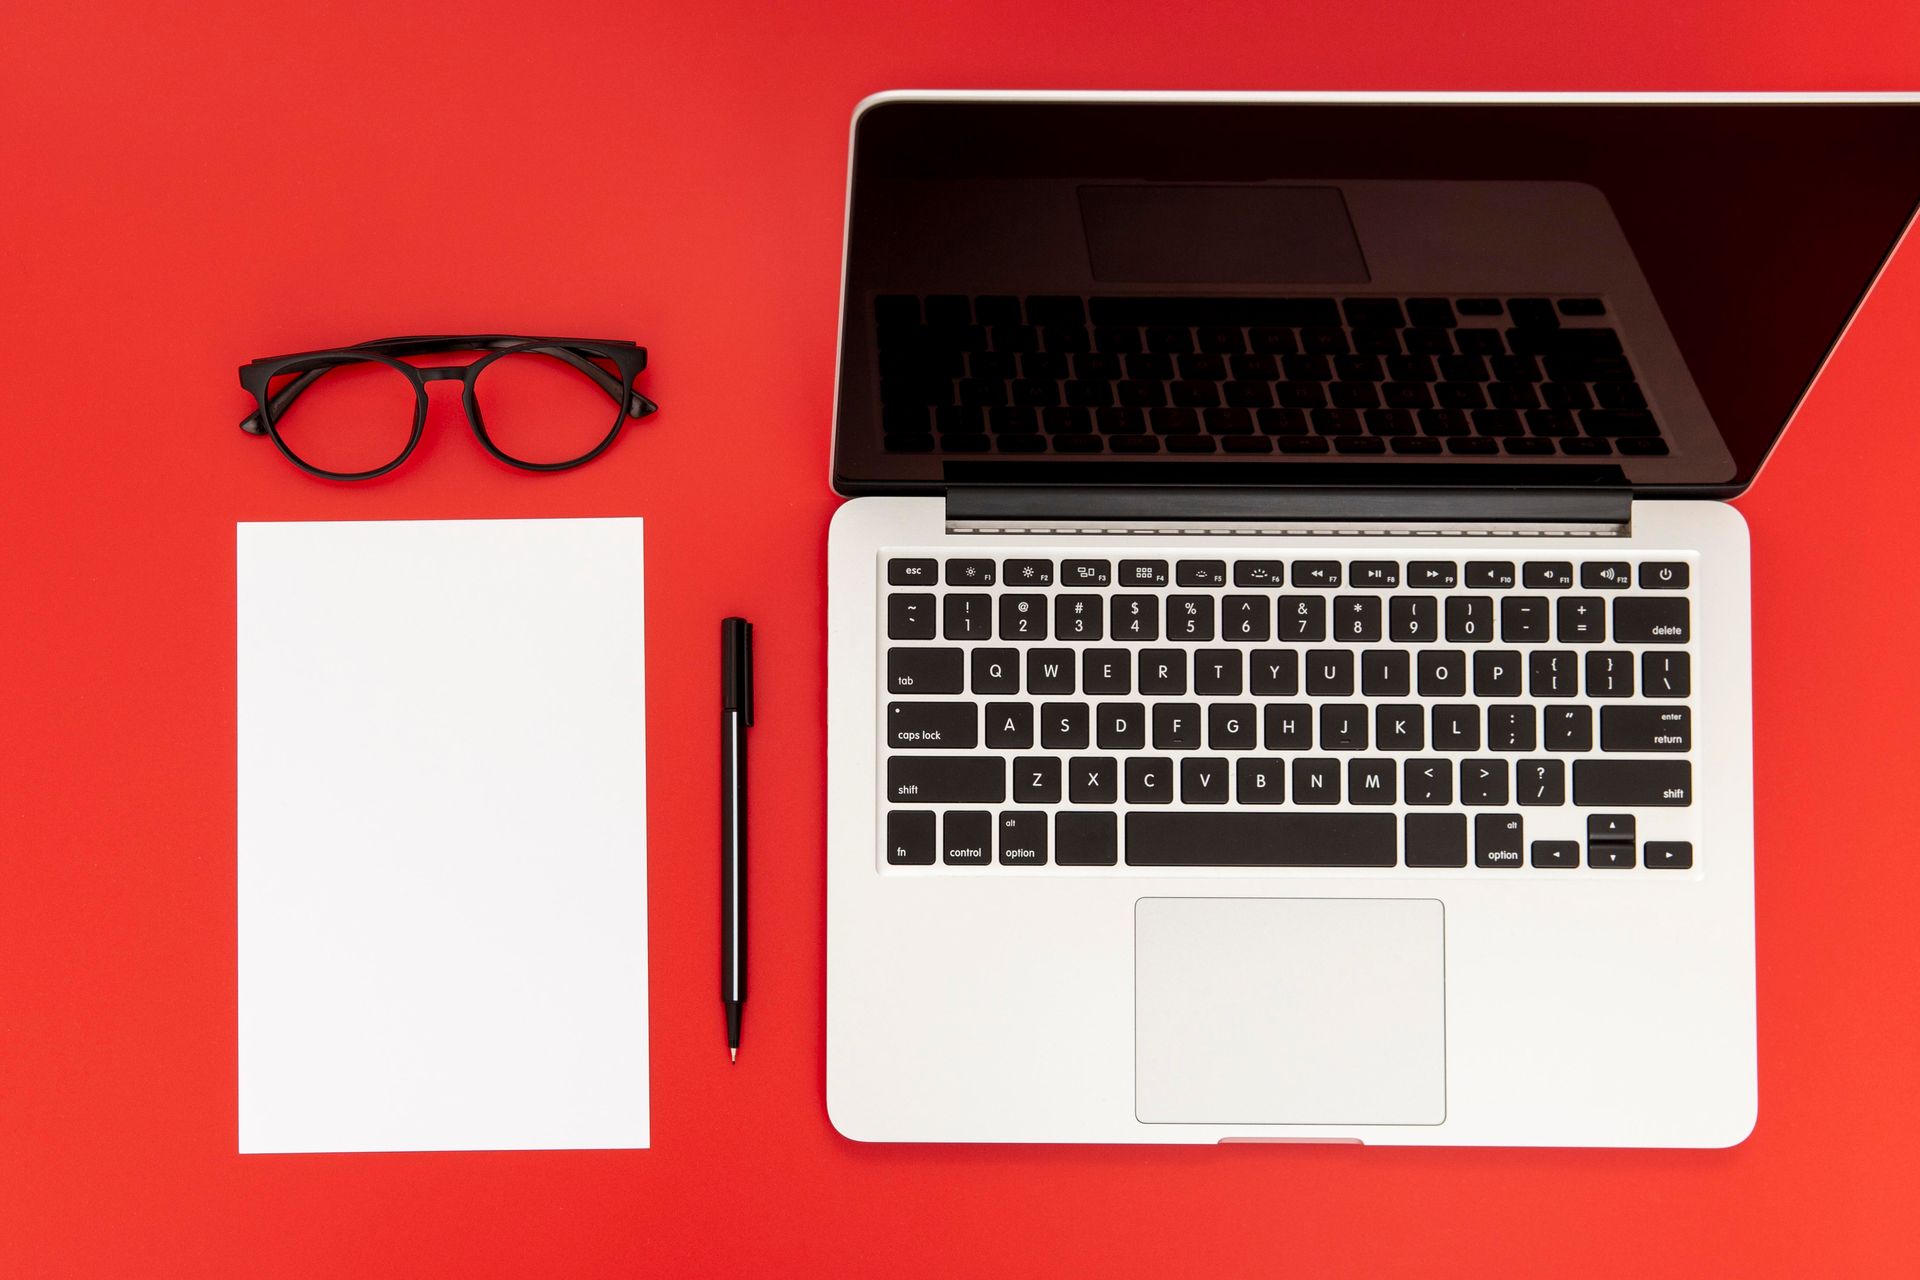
(1483, 575)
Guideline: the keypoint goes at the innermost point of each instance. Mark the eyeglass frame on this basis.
(629, 358)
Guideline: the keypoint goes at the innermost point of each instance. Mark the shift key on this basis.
(947, 779)
(1626, 784)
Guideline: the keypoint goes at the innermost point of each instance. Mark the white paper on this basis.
(442, 877)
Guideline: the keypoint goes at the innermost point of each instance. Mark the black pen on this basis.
(736, 713)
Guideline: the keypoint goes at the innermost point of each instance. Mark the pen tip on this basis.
(733, 1055)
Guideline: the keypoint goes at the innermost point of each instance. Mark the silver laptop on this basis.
(1289, 667)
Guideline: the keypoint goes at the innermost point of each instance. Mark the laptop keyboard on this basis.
(1399, 711)
(1475, 377)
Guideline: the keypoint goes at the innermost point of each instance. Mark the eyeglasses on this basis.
(353, 413)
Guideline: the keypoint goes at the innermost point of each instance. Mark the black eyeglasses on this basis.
(353, 413)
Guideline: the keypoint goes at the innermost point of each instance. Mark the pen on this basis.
(736, 713)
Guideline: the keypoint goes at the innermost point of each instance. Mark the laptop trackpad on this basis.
(1289, 1011)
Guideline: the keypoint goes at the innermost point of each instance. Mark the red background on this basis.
(187, 185)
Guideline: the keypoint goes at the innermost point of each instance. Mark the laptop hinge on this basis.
(1214, 511)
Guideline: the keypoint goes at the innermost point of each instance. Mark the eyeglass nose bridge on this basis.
(442, 372)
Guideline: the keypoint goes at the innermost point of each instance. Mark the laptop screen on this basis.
(1441, 293)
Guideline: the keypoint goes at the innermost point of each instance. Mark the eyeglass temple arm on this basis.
(637, 406)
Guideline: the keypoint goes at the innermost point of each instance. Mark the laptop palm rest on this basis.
(1289, 1011)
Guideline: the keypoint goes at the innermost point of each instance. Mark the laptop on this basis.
(1289, 638)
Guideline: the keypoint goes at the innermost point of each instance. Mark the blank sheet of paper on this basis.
(442, 872)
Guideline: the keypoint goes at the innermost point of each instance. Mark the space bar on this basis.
(1189, 839)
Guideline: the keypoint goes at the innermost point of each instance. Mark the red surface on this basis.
(187, 185)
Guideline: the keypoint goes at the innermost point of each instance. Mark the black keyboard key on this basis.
(1274, 673)
(1428, 782)
(1023, 839)
(1626, 784)
(1665, 675)
(1316, 573)
(1547, 575)
(1289, 726)
(1496, 673)
(1540, 782)
(1049, 671)
(1370, 781)
(1510, 728)
(967, 616)
(1176, 726)
(1663, 575)
(1469, 619)
(1023, 617)
(1217, 672)
(1065, 726)
(1598, 575)
(1246, 619)
(1456, 727)
(970, 573)
(1027, 573)
(1163, 672)
(1203, 780)
(1093, 780)
(1143, 573)
(1188, 839)
(1524, 619)
(1356, 619)
(1556, 853)
(1553, 673)
(1609, 674)
(966, 838)
(1441, 673)
(1490, 575)
(1343, 726)
(1669, 855)
(1646, 729)
(1259, 573)
(1190, 618)
(1120, 726)
(1200, 573)
(913, 573)
(1300, 619)
(1568, 728)
(1436, 839)
(1498, 840)
(1316, 782)
(924, 670)
(1373, 573)
(1330, 673)
(1036, 780)
(1149, 780)
(910, 837)
(1400, 726)
(1106, 672)
(1009, 726)
(1086, 839)
(1085, 573)
(932, 726)
(1232, 726)
(946, 780)
(1078, 616)
(1650, 620)
(910, 616)
(1386, 673)
(1431, 575)
(1483, 782)
(1414, 619)
(1582, 620)
(1259, 781)
(1135, 617)
(995, 671)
